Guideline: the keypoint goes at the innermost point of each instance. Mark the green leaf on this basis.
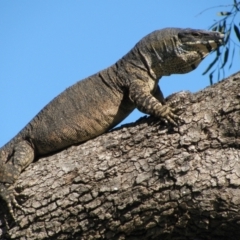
(218, 52)
(210, 65)
(224, 13)
(223, 26)
(227, 35)
(214, 28)
(236, 4)
(218, 75)
(233, 52)
(237, 32)
(211, 77)
(225, 57)
(220, 27)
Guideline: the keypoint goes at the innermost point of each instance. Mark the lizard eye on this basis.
(195, 34)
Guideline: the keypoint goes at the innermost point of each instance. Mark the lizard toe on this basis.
(9, 196)
(168, 114)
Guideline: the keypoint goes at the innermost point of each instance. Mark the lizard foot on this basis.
(168, 114)
(174, 105)
(8, 195)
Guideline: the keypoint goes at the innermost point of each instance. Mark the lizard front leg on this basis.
(22, 156)
(140, 94)
(159, 95)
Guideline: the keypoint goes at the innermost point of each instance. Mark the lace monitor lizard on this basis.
(98, 103)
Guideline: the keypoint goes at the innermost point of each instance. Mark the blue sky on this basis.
(46, 46)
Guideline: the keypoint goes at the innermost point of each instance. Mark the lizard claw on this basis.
(8, 195)
(168, 114)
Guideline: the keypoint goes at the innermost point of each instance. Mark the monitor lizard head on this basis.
(199, 43)
(176, 50)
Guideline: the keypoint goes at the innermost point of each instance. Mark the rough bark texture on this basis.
(143, 180)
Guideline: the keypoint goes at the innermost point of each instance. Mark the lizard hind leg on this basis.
(23, 155)
(9, 196)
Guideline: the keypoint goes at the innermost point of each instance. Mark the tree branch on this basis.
(143, 180)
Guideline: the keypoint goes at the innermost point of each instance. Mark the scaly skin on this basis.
(98, 103)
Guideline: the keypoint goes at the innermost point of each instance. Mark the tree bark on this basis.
(144, 180)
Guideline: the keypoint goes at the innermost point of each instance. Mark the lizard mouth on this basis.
(203, 48)
(202, 40)
(209, 44)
